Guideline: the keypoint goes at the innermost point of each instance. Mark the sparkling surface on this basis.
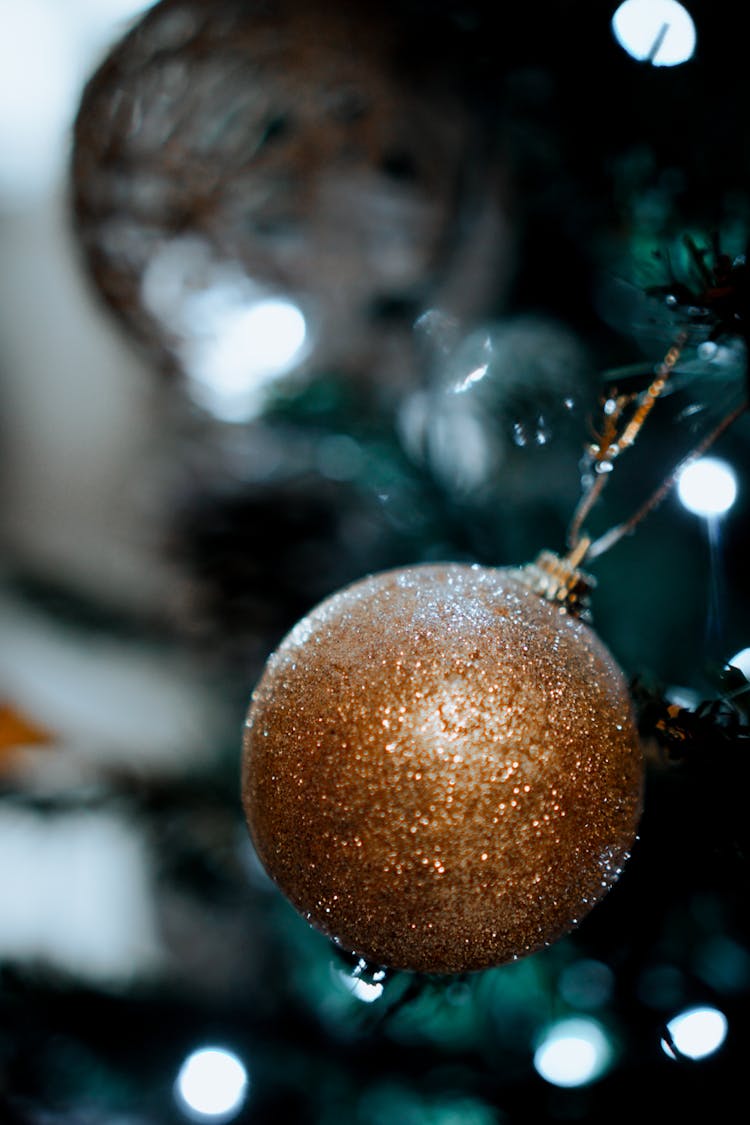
(441, 769)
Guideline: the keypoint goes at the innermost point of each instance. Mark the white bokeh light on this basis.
(707, 487)
(212, 1085)
(256, 342)
(364, 990)
(661, 32)
(233, 337)
(696, 1033)
(741, 660)
(573, 1052)
(249, 347)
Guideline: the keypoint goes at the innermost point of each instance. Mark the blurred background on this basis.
(292, 291)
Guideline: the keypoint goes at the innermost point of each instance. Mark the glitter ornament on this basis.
(441, 769)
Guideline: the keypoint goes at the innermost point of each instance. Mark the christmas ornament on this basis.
(230, 154)
(501, 389)
(441, 769)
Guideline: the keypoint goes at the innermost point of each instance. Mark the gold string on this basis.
(611, 444)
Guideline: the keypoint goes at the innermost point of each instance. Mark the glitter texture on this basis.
(441, 769)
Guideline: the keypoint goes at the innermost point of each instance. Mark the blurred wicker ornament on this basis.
(263, 187)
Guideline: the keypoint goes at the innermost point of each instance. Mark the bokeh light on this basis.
(741, 660)
(661, 32)
(695, 1033)
(573, 1052)
(707, 487)
(247, 347)
(232, 335)
(365, 990)
(212, 1085)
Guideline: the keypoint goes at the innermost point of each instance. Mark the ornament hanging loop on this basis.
(602, 455)
(614, 441)
(560, 581)
(615, 534)
(646, 404)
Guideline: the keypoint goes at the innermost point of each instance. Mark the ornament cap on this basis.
(560, 581)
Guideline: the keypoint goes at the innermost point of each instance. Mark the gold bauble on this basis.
(441, 769)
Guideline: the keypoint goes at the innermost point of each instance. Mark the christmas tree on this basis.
(325, 291)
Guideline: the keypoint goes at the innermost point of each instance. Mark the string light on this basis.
(573, 1052)
(707, 487)
(364, 990)
(661, 32)
(243, 349)
(741, 660)
(212, 1085)
(695, 1033)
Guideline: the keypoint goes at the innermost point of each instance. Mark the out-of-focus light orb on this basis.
(364, 990)
(247, 347)
(661, 32)
(264, 338)
(741, 660)
(212, 1085)
(573, 1052)
(707, 487)
(696, 1033)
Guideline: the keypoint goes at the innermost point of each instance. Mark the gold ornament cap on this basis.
(560, 581)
